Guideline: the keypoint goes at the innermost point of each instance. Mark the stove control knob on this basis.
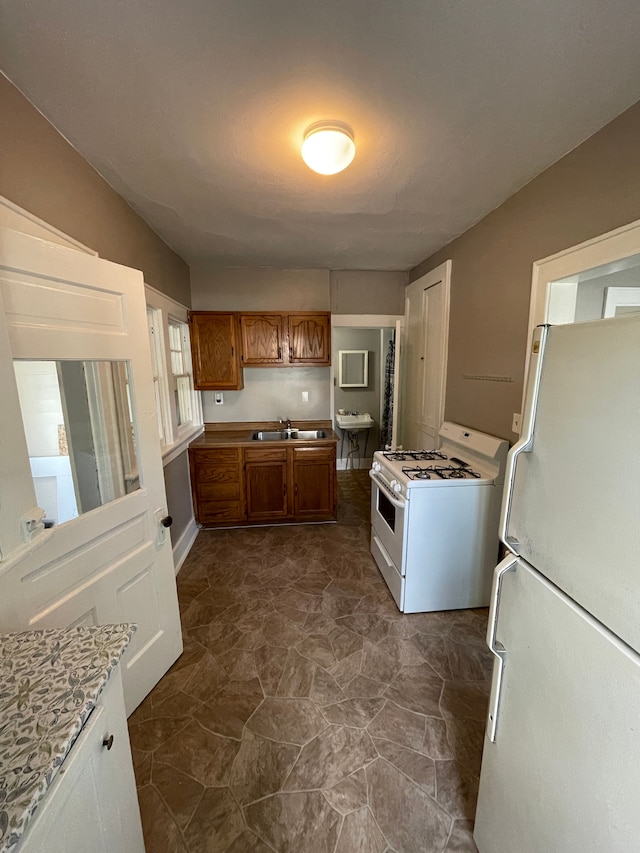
(376, 466)
(395, 485)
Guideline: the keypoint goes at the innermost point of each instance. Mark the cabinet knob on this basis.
(108, 742)
(167, 521)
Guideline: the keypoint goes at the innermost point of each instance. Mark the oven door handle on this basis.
(378, 478)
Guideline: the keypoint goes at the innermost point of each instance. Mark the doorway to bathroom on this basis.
(366, 347)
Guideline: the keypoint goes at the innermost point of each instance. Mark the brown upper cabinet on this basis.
(263, 339)
(281, 339)
(309, 339)
(215, 346)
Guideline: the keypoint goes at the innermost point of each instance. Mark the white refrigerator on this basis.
(561, 761)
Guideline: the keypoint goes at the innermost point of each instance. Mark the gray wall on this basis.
(178, 485)
(368, 291)
(270, 393)
(258, 289)
(590, 191)
(44, 174)
(359, 399)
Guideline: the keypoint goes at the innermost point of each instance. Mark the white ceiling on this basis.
(194, 111)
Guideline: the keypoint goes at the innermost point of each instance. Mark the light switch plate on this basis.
(305, 396)
(218, 398)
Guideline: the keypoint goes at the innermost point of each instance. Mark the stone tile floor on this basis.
(306, 714)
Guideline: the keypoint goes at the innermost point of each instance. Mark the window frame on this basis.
(164, 312)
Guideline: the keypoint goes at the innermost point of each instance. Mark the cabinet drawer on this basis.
(269, 454)
(220, 511)
(216, 456)
(312, 454)
(218, 492)
(221, 474)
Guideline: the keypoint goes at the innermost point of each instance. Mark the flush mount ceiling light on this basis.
(328, 147)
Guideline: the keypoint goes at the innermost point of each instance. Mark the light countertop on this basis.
(49, 683)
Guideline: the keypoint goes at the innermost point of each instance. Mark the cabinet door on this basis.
(266, 484)
(215, 350)
(92, 803)
(314, 477)
(216, 485)
(262, 343)
(310, 339)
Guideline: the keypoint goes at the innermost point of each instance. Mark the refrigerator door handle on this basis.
(525, 443)
(509, 564)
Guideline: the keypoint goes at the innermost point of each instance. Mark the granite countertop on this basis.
(49, 683)
(241, 434)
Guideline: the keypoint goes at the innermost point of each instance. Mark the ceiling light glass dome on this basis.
(328, 147)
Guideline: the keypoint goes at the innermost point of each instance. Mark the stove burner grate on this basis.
(413, 455)
(444, 472)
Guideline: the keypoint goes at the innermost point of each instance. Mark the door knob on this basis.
(164, 522)
(108, 742)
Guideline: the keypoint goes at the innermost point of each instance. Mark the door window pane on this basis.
(80, 436)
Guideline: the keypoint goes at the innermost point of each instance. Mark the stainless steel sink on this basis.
(283, 435)
(307, 434)
(276, 435)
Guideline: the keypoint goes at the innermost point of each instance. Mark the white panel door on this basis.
(433, 358)
(576, 494)
(412, 365)
(424, 361)
(113, 563)
(564, 772)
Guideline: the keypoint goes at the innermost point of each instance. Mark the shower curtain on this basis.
(387, 408)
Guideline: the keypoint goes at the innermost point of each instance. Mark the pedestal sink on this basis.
(352, 424)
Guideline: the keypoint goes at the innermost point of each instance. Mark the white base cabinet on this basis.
(92, 803)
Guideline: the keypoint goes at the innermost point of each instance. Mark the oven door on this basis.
(389, 512)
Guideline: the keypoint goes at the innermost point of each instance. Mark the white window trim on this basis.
(177, 438)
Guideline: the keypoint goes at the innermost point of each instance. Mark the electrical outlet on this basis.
(218, 398)
(516, 423)
(305, 396)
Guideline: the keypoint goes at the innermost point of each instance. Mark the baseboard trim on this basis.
(184, 544)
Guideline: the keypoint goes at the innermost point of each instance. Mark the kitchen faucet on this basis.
(288, 423)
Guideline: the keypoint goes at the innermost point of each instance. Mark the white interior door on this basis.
(564, 772)
(113, 563)
(425, 361)
(431, 410)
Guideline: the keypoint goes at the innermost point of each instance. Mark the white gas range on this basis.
(434, 520)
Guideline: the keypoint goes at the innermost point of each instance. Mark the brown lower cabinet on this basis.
(263, 485)
(217, 485)
(266, 477)
(314, 482)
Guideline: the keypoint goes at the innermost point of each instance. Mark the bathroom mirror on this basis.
(353, 370)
